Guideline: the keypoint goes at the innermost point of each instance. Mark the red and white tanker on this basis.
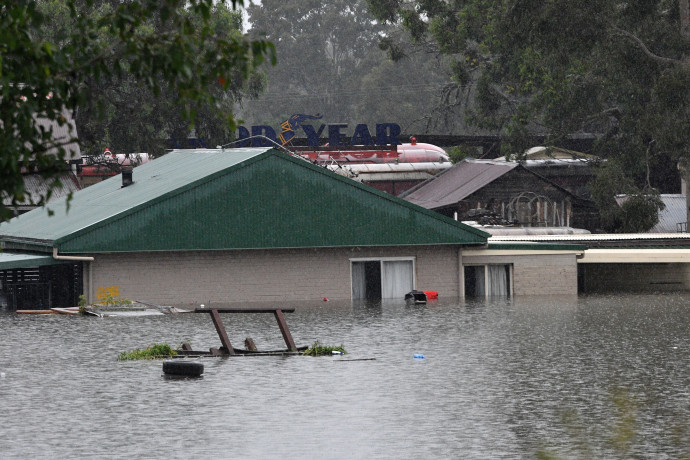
(414, 152)
(109, 164)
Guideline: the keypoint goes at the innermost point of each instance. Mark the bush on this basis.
(155, 351)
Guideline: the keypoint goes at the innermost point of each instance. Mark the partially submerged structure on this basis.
(506, 192)
(255, 225)
(569, 169)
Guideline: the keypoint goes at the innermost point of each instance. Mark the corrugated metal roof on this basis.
(674, 214)
(36, 186)
(231, 199)
(595, 237)
(458, 182)
(11, 260)
(524, 245)
(108, 199)
(554, 155)
(608, 240)
(63, 135)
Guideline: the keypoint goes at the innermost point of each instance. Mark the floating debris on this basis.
(155, 351)
(182, 368)
(320, 350)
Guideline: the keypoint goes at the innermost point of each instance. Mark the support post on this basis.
(284, 330)
(221, 331)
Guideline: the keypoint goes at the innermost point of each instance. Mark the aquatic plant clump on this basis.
(155, 351)
(320, 350)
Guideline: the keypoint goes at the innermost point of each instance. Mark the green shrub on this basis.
(155, 351)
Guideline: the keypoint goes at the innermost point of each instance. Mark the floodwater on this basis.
(587, 377)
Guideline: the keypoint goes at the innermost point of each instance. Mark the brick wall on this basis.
(536, 274)
(196, 277)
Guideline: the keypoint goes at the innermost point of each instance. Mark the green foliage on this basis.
(320, 350)
(115, 65)
(458, 153)
(618, 70)
(155, 351)
(82, 304)
(638, 211)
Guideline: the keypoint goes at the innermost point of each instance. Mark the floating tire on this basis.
(183, 368)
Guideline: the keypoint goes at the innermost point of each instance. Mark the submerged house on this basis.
(255, 225)
(505, 193)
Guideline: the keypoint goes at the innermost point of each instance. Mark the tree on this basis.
(329, 62)
(321, 48)
(150, 46)
(617, 69)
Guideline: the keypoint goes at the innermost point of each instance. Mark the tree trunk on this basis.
(684, 18)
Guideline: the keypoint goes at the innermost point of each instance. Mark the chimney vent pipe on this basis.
(127, 176)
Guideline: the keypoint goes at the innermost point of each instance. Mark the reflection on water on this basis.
(587, 377)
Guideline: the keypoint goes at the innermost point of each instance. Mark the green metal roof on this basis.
(10, 261)
(247, 198)
(519, 245)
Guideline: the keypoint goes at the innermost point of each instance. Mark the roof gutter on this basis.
(76, 258)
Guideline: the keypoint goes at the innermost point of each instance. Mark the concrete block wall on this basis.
(536, 274)
(436, 267)
(195, 277)
(545, 275)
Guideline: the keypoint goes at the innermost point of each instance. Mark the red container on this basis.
(431, 295)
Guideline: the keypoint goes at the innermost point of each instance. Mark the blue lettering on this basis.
(361, 136)
(334, 134)
(263, 130)
(313, 136)
(387, 133)
(242, 135)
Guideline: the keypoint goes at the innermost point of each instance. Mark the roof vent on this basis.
(127, 176)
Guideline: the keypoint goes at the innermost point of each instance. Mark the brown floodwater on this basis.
(575, 377)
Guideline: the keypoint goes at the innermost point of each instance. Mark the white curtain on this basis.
(359, 282)
(498, 280)
(397, 279)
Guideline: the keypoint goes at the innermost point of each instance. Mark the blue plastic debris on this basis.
(419, 356)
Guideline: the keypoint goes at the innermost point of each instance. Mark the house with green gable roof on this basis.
(232, 225)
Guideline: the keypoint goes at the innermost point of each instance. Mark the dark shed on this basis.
(494, 192)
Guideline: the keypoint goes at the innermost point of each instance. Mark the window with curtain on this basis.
(382, 278)
(487, 280)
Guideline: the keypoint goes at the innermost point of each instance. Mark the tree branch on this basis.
(646, 51)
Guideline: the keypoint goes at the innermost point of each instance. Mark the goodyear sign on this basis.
(384, 134)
